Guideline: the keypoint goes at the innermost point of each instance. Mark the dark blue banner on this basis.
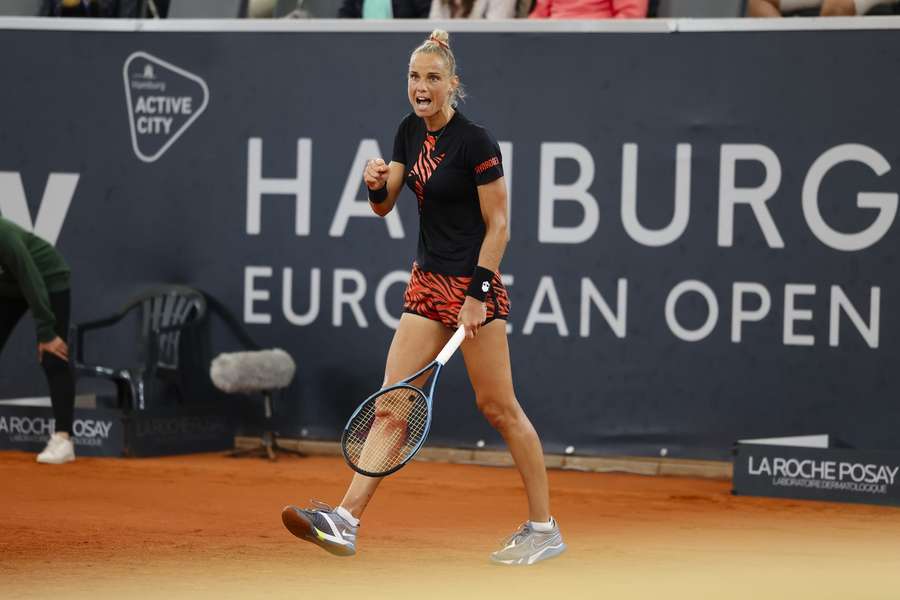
(703, 241)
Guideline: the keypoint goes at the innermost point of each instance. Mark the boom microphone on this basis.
(248, 372)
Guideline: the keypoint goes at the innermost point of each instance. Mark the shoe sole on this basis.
(523, 562)
(301, 527)
(68, 459)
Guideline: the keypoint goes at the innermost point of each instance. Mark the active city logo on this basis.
(163, 101)
(85, 432)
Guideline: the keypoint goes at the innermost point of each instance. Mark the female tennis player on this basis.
(455, 169)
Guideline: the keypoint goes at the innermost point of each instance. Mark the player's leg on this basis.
(487, 361)
(488, 365)
(416, 342)
(60, 449)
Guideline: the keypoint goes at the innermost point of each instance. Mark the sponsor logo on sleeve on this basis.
(491, 162)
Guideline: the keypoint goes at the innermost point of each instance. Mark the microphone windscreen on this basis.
(249, 372)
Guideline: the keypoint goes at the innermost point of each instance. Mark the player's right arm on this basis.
(377, 175)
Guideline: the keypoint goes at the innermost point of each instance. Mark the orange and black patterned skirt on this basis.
(440, 297)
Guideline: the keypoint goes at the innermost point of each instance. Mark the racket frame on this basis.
(437, 364)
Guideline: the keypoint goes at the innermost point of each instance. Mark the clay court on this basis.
(208, 526)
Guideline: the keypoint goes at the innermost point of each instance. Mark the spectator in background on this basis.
(108, 9)
(75, 8)
(523, 8)
(33, 275)
(303, 9)
(473, 9)
(384, 9)
(260, 9)
(589, 9)
(824, 8)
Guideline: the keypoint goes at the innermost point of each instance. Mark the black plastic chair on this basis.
(166, 313)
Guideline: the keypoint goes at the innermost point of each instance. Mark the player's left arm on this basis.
(492, 198)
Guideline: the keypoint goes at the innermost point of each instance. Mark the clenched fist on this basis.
(376, 174)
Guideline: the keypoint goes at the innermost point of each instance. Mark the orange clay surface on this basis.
(208, 526)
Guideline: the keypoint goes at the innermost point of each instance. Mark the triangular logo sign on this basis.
(163, 100)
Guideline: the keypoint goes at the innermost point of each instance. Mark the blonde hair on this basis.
(439, 43)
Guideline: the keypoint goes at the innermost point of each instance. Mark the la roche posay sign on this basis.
(20, 429)
(829, 474)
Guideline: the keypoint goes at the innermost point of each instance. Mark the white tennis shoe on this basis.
(59, 450)
(322, 526)
(527, 546)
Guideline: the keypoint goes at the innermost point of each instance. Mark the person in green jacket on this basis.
(33, 275)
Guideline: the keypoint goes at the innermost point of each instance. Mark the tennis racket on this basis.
(390, 426)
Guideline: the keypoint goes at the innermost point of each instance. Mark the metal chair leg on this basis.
(269, 446)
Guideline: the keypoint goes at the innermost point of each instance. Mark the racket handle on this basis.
(452, 345)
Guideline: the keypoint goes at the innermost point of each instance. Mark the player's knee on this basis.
(389, 418)
(498, 411)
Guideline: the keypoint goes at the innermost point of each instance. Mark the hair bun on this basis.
(441, 37)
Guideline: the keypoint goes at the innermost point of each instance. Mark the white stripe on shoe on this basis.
(335, 536)
(537, 556)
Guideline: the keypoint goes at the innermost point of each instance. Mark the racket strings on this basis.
(387, 430)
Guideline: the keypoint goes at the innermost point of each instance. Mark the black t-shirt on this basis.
(444, 169)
